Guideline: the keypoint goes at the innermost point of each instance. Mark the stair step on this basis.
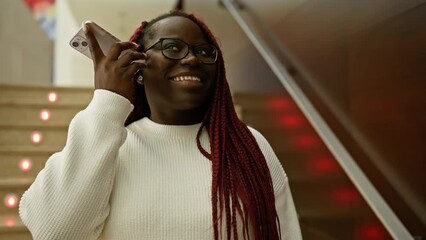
(15, 183)
(264, 101)
(313, 233)
(31, 150)
(328, 198)
(314, 168)
(15, 94)
(29, 115)
(345, 227)
(15, 186)
(12, 228)
(21, 136)
(12, 165)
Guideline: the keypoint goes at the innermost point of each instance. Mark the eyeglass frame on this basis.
(190, 47)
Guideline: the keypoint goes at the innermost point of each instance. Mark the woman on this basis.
(159, 152)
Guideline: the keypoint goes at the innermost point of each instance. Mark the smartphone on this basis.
(105, 39)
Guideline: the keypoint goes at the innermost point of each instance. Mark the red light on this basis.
(52, 96)
(346, 196)
(36, 137)
(370, 231)
(45, 115)
(323, 165)
(10, 221)
(25, 164)
(11, 200)
(291, 121)
(279, 103)
(306, 141)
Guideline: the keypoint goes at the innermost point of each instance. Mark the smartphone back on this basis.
(105, 40)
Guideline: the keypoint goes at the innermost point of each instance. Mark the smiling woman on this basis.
(172, 97)
(160, 153)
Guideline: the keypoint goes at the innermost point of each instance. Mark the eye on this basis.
(205, 50)
(171, 46)
(201, 51)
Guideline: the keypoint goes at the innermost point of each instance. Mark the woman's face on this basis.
(176, 90)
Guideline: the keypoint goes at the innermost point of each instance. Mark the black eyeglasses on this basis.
(177, 49)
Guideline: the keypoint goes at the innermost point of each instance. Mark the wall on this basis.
(71, 67)
(25, 50)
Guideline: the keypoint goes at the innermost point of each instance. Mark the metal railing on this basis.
(379, 206)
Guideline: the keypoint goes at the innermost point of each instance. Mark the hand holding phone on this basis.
(116, 63)
(105, 40)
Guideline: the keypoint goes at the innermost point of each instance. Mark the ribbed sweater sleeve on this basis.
(69, 198)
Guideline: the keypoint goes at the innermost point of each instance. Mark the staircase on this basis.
(328, 205)
(25, 111)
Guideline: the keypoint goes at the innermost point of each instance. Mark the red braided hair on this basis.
(239, 169)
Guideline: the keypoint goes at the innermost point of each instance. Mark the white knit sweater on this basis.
(146, 181)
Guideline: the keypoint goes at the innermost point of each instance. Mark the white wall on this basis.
(25, 49)
(70, 67)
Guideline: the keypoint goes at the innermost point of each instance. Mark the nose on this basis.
(190, 58)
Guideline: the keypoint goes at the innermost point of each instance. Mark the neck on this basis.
(178, 117)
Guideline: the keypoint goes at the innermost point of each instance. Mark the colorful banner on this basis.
(44, 12)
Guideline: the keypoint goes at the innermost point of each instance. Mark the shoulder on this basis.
(279, 177)
(264, 145)
(258, 136)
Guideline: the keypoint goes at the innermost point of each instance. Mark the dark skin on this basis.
(113, 73)
(171, 102)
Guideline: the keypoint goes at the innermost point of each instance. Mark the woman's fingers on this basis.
(95, 49)
(134, 68)
(120, 47)
(130, 61)
(131, 57)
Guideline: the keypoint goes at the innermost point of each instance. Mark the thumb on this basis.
(95, 49)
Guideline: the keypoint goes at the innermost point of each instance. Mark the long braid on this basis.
(239, 170)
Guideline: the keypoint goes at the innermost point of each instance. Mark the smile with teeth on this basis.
(186, 78)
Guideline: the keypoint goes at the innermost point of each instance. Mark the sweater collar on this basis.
(168, 130)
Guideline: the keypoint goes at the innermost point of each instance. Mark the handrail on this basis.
(379, 206)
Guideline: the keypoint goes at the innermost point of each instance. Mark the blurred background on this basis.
(337, 87)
